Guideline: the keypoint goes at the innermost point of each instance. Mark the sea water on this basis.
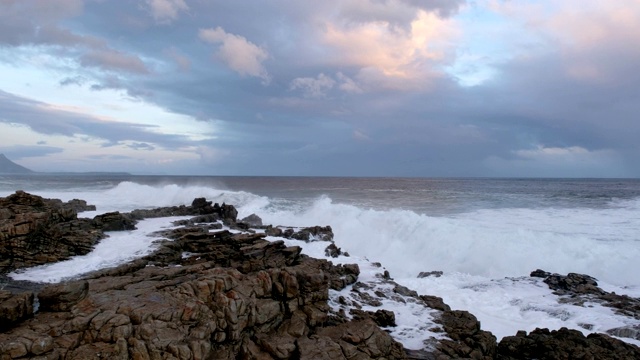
(486, 235)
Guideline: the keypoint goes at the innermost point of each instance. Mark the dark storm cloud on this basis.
(310, 103)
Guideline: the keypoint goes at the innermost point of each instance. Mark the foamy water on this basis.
(486, 254)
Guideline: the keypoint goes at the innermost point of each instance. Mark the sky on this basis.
(433, 88)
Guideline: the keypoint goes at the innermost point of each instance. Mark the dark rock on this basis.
(384, 318)
(79, 205)
(424, 274)
(564, 344)
(35, 231)
(274, 231)
(540, 273)
(573, 283)
(332, 251)
(253, 220)
(435, 302)
(467, 339)
(14, 308)
(315, 233)
(114, 221)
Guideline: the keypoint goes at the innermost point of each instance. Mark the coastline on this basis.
(357, 299)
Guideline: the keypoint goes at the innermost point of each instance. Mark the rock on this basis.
(467, 339)
(315, 233)
(424, 274)
(242, 297)
(114, 221)
(435, 302)
(253, 220)
(332, 251)
(564, 344)
(35, 231)
(584, 288)
(14, 308)
(79, 205)
(273, 231)
(540, 273)
(573, 283)
(384, 318)
(63, 296)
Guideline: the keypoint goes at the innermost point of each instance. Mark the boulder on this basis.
(14, 308)
(564, 344)
(35, 231)
(315, 233)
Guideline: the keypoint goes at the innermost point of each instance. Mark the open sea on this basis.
(486, 235)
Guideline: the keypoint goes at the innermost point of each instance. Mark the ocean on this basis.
(485, 235)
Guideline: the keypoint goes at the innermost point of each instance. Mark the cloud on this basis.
(313, 87)
(571, 161)
(182, 60)
(166, 11)
(17, 152)
(47, 119)
(383, 52)
(241, 55)
(114, 60)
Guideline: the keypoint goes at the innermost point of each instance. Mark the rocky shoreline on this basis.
(216, 288)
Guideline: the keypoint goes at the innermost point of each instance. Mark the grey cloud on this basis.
(309, 125)
(114, 60)
(49, 121)
(18, 152)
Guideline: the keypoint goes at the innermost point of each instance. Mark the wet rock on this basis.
(35, 231)
(332, 251)
(564, 344)
(424, 274)
(244, 296)
(573, 283)
(273, 231)
(540, 273)
(435, 302)
(253, 220)
(467, 339)
(79, 206)
(114, 221)
(315, 233)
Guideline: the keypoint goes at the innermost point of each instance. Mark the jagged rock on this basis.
(14, 308)
(253, 220)
(564, 344)
(114, 221)
(435, 302)
(244, 296)
(315, 233)
(35, 231)
(467, 339)
(273, 231)
(582, 288)
(540, 273)
(573, 283)
(79, 205)
(332, 250)
(424, 274)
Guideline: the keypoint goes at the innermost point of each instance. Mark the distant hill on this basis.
(9, 167)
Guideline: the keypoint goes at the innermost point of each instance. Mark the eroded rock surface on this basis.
(35, 231)
(206, 295)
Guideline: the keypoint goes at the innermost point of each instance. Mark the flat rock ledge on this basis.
(212, 293)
